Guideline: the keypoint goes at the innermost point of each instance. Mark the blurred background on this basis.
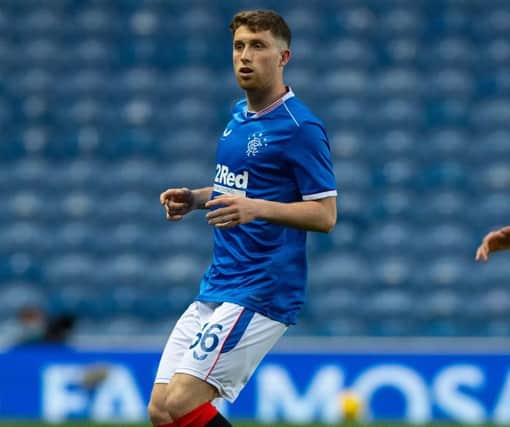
(104, 104)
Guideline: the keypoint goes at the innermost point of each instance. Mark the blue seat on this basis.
(453, 21)
(495, 303)
(345, 235)
(444, 143)
(393, 271)
(493, 22)
(183, 144)
(454, 51)
(145, 21)
(496, 328)
(494, 144)
(16, 295)
(447, 205)
(25, 205)
(392, 237)
(401, 22)
(24, 237)
(74, 237)
(493, 83)
(491, 114)
(347, 53)
(93, 83)
(94, 53)
(398, 173)
(303, 50)
(398, 82)
(340, 269)
(448, 112)
(495, 54)
(332, 303)
(447, 238)
(402, 51)
(491, 211)
(182, 269)
(97, 21)
(390, 303)
(352, 175)
(447, 81)
(78, 205)
(72, 269)
(127, 206)
(42, 53)
(493, 177)
(448, 270)
(346, 82)
(496, 276)
(355, 20)
(447, 175)
(443, 303)
(391, 205)
(347, 143)
(396, 112)
(20, 267)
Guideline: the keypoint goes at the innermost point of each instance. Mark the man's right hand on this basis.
(177, 202)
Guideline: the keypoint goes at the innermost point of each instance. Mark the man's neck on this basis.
(259, 99)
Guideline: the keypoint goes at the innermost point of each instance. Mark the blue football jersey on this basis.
(280, 154)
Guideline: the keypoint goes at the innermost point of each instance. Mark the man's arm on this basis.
(494, 241)
(311, 215)
(201, 196)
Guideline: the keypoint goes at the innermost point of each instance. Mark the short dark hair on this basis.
(262, 20)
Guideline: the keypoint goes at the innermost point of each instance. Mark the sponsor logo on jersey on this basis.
(227, 132)
(227, 182)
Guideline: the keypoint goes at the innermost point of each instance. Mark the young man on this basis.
(494, 241)
(274, 181)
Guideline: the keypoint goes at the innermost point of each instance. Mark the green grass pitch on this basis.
(236, 424)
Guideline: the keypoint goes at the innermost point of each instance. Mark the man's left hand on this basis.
(234, 211)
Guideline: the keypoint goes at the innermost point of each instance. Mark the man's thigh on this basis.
(180, 339)
(228, 346)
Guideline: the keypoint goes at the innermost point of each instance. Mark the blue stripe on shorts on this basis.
(238, 331)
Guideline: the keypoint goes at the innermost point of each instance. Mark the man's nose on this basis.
(245, 55)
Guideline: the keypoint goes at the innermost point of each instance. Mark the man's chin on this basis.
(247, 84)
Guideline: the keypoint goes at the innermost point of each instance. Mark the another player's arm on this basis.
(497, 240)
(310, 215)
(180, 201)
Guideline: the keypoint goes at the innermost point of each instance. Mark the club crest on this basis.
(256, 142)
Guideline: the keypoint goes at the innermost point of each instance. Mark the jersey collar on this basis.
(241, 115)
(289, 94)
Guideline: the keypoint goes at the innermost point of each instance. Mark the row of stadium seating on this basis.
(105, 104)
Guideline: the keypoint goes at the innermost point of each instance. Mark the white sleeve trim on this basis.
(323, 195)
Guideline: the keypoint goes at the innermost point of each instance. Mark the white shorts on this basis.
(218, 343)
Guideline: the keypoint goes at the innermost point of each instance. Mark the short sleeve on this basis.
(309, 155)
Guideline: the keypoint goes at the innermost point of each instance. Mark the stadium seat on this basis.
(18, 294)
(393, 271)
(103, 106)
(339, 269)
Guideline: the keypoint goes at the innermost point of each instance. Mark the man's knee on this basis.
(178, 400)
(158, 415)
(185, 393)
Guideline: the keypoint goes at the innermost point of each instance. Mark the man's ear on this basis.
(285, 57)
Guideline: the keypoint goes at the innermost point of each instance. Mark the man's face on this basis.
(258, 58)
